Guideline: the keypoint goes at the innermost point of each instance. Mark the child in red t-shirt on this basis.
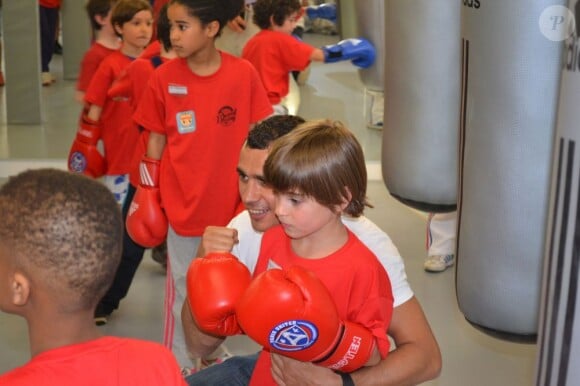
(275, 52)
(130, 85)
(198, 109)
(105, 41)
(329, 300)
(60, 243)
(48, 11)
(110, 118)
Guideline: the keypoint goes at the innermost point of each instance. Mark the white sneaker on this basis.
(438, 263)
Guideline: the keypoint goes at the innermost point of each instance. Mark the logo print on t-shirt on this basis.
(226, 116)
(185, 121)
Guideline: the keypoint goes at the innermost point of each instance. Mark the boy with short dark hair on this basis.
(109, 119)
(60, 243)
(275, 52)
(130, 85)
(105, 42)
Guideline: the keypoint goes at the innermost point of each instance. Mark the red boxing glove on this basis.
(292, 313)
(84, 157)
(215, 283)
(146, 222)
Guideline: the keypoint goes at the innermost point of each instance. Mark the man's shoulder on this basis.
(241, 222)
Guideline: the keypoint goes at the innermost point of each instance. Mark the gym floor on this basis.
(333, 91)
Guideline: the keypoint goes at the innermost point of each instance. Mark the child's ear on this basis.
(345, 199)
(100, 19)
(213, 28)
(118, 29)
(20, 289)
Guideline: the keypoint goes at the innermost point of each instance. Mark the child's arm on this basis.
(94, 112)
(156, 145)
(198, 343)
(317, 55)
(375, 356)
(360, 51)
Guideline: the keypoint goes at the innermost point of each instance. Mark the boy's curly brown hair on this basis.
(276, 10)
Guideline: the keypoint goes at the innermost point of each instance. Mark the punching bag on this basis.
(510, 79)
(421, 116)
(559, 332)
(370, 17)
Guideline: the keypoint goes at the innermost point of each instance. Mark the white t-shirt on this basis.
(248, 249)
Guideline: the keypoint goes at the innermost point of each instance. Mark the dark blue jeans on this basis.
(130, 260)
(48, 23)
(236, 371)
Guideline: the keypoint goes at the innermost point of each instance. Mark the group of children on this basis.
(171, 135)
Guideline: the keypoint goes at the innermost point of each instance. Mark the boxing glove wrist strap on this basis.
(346, 378)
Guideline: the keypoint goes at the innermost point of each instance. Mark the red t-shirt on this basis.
(104, 361)
(131, 84)
(205, 120)
(359, 285)
(50, 3)
(119, 134)
(153, 49)
(275, 54)
(90, 63)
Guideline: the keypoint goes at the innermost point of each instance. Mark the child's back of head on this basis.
(64, 231)
(98, 8)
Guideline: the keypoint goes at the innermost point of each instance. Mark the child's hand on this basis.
(238, 24)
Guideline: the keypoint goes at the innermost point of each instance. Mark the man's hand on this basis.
(218, 239)
(290, 372)
(237, 24)
(416, 359)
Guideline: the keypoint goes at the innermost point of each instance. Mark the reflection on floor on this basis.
(469, 357)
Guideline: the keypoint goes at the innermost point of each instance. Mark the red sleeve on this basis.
(295, 53)
(90, 63)
(373, 301)
(97, 91)
(140, 75)
(89, 66)
(150, 112)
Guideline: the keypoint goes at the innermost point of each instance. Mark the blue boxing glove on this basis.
(323, 11)
(360, 51)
